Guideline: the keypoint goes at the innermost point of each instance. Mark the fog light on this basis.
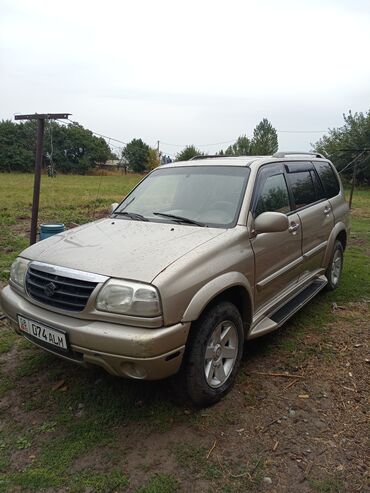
(133, 370)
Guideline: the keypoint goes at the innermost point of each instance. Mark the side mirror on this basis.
(271, 222)
(113, 207)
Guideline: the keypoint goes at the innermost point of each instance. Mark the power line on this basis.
(71, 122)
(351, 162)
(301, 131)
(95, 133)
(198, 145)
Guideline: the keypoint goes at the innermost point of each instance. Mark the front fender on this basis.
(212, 289)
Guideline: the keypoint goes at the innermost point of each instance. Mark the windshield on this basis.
(200, 195)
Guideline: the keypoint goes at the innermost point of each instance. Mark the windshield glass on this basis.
(207, 195)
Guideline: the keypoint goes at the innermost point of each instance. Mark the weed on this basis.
(328, 485)
(7, 338)
(99, 482)
(193, 459)
(23, 443)
(160, 483)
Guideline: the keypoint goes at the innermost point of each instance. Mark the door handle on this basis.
(327, 210)
(293, 227)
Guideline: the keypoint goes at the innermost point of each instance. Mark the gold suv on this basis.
(200, 256)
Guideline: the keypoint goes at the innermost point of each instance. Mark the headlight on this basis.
(130, 298)
(18, 271)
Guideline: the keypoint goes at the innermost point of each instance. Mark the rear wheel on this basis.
(334, 270)
(214, 355)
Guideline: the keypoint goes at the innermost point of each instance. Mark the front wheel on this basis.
(214, 355)
(334, 270)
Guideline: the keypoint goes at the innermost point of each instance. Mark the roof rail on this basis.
(284, 154)
(204, 156)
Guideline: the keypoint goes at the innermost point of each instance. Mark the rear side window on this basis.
(303, 189)
(328, 179)
(273, 196)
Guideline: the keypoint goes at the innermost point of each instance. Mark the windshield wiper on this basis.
(132, 215)
(181, 219)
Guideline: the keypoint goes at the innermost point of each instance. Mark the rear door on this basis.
(278, 257)
(314, 211)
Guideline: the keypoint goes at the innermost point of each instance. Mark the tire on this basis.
(335, 267)
(206, 376)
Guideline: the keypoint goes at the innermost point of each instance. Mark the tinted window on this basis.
(273, 196)
(320, 194)
(302, 187)
(328, 179)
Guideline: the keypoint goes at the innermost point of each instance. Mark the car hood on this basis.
(121, 248)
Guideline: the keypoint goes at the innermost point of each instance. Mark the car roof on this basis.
(245, 161)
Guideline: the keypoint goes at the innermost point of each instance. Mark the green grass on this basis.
(93, 409)
(7, 338)
(328, 485)
(194, 459)
(160, 483)
(67, 199)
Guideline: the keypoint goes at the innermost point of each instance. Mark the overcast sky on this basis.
(191, 72)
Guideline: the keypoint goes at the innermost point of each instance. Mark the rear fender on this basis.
(338, 228)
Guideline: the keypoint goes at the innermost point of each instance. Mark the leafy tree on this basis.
(345, 143)
(240, 148)
(76, 149)
(265, 139)
(153, 159)
(187, 153)
(73, 148)
(17, 146)
(136, 153)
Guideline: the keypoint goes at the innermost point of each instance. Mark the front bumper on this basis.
(121, 350)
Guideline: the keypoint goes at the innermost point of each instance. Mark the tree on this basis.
(153, 159)
(240, 148)
(72, 149)
(265, 139)
(17, 146)
(187, 153)
(136, 153)
(344, 144)
(77, 149)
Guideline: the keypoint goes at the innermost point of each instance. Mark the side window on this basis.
(320, 194)
(273, 196)
(303, 188)
(328, 179)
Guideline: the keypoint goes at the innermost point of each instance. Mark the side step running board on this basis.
(298, 301)
(268, 324)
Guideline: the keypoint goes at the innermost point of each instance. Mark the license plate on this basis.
(46, 334)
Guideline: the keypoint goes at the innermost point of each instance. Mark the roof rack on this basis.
(204, 156)
(284, 154)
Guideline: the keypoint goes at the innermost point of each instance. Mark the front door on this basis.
(278, 256)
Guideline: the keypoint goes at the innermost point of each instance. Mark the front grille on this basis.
(62, 292)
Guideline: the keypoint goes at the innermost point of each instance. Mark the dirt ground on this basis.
(297, 420)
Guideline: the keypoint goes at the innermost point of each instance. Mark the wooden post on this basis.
(37, 180)
(38, 163)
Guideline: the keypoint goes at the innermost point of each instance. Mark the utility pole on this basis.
(39, 148)
(159, 157)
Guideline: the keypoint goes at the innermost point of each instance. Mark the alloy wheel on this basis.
(221, 354)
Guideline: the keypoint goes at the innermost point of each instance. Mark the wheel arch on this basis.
(233, 287)
(339, 232)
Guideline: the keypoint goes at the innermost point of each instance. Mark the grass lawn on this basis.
(65, 428)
